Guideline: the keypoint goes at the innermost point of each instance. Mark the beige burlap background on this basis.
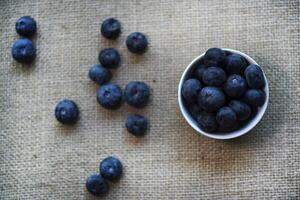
(41, 159)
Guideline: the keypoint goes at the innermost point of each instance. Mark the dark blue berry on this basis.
(137, 43)
(254, 97)
(235, 86)
(226, 117)
(110, 96)
(242, 110)
(199, 72)
(99, 74)
(137, 124)
(214, 57)
(111, 168)
(109, 58)
(190, 90)
(213, 76)
(207, 122)
(227, 129)
(195, 110)
(67, 112)
(255, 77)
(26, 26)
(23, 51)
(111, 28)
(211, 99)
(137, 94)
(96, 185)
(235, 64)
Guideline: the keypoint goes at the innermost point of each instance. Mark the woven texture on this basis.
(42, 159)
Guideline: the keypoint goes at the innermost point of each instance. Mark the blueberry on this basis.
(242, 110)
(235, 86)
(109, 58)
(111, 28)
(255, 77)
(67, 112)
(190, 90)
(235, 64)
(195, 110)
(137, 124)
(207, 122)
(111, 168)
(26, 26)
(23, 51)
(254, 98)
(109, 96)
(137, 43)
(211, 99)
(96, 185)
(214, 57)
(137, 94)
(226, 117)
(199, 71)
(99, 74)
(214, 76)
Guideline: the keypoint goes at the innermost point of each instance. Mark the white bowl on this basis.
(220, 135)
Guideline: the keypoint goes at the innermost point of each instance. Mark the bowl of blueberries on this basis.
(223, 93)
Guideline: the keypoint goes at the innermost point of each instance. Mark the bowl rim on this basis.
(228, 135)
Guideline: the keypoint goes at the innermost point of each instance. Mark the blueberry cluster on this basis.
(224, 91)
(23, 50)
(110, 169)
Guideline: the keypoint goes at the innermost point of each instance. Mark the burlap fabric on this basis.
(41, 159)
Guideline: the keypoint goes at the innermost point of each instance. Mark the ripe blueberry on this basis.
(242, 110)
(214, 76)
(137, 124)
(255, 77)
(235, 64)
(111, 28)
(109, 58)
(226, 117)
(254, 98)
(137, 94)
(199, 71)
(214, 57)
(111, 168)
(26, 26)
(137, 43)
(66, 111)
(190, 90)
(109, 96)
(96, 185)
(211, 99)
(207, 121)
(99, 74)
(23, 51)
(235, 86)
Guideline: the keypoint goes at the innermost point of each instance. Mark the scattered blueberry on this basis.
(195, 110)
(99, 74)
(254, 98)
(211, 99)
(213, 76)
(235, 86)
(137, 94)
(226, 117)
(66, 111)
(137, 124)
(111, 28)
(214, 57)
(109, 58)
(235, 64)
(137, 43)
(110, 96)
(96, 185)
(242, 110)
(190, 90)
(199, 71)
(111, 168)
(255, 77)
(23, 51)
(207, 121)
(26, 26)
